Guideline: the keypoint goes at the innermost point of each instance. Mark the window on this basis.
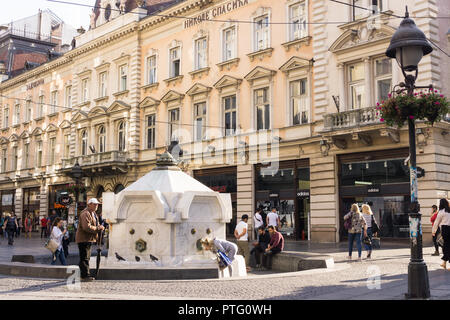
(17, 114)
(121, 136)
(261, 33)
(53, 101)
(151, 130)
(200, 53)
(299, 101)
(39, 154)
(356, 85)
(151, 67)
(175, 62)
(84, 90)
(297, 16)
(101, 139)
(4, 160)
(358, 10)
(123, 73)
(15, 158)
(229, 44)
(66, 146)
(6, 117)
(383, 78)
(262, 107)
(199, 121)
(229, 107)
(102, 85)
(52, 151)
(174, 121)
(26, 151)
(69, 96)
(28, 110)
(84, 142)
(377, 6)
(40, 107)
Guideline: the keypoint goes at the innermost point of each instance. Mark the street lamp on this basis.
(76, 173)
(408, 46)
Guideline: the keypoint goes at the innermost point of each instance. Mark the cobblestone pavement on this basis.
(347, 280)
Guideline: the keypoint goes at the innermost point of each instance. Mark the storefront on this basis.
(55, 195)
(7, 204)
(222, 180)
(380, 179)
(288, 190)
(31, 205)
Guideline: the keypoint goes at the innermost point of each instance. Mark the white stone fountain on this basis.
(157, 221)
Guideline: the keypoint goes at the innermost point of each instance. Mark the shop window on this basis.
(374, 172)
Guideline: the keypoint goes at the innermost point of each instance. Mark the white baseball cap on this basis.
(93, 200)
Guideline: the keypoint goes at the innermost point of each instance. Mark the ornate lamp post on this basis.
(76, 173)
(408, 46)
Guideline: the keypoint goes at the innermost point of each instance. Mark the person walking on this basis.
(443, 221)
(86, 235)
(371, 223)
(261, 245)
(434, 213)
(354, 233)
(28, 224)
(57, 236)
(241, 234)
(44, 227)
(276, 245)
(2, 221)
(66, 241)
(257, 221)
(273, 219)
(19, 226)
(11, 227)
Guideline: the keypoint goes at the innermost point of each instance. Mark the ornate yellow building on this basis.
(268, 101)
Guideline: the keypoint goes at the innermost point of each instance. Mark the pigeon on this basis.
(153, 258)
(119, 257)
(137, 258)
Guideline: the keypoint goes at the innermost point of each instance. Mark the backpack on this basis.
(348, 223)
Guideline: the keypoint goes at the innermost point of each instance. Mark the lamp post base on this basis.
(418, 285)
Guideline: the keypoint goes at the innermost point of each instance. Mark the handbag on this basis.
(375, 227)
(348, 223)
(376, 242)
(440, 240)
(223, 258)
(367, 241)
(51, 245)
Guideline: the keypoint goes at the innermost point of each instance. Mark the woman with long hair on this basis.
(443, 221)
(369, 218)
(57, 235)
(354, 233)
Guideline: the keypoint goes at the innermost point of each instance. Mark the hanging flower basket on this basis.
(73, 188)
(429, 106)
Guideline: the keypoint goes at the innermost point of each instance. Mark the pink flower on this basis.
(437, 103)
(381, 119)
(435, 91)
(389, 95)
(411, 117)
(441, 95)
(378, 103)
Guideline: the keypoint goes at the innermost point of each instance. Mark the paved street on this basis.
(348, 280)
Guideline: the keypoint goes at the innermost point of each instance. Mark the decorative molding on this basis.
(199, 73)
(261, 54)
(118, 106)
(100, 99)
(228, 64)
(259, 72)
(150, 87)
(227, 81)
(297, 43)
(51, 128)
(65, 124)
(198, 88)
(172, 95)
(393, 134)
(149, 102)
(98, 111)
(295, 63)
(174, 80)
(37, 132)
(122, 94)
(79, 116)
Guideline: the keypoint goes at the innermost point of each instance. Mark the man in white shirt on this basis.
(241, 235)
(273, 219)
(257, 222)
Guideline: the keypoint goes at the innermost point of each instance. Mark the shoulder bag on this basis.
(375, 227)
(440, 240)
(348, 223)
(51, 245)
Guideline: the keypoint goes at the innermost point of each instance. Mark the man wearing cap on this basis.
(87, 232)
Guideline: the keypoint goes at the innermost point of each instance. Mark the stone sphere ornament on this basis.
(193, 231)
(132, 231)
(208, 231)
(150, 232)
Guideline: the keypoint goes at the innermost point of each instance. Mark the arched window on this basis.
(101, 139)
(118, 188)
(121, 136)
(84, 142)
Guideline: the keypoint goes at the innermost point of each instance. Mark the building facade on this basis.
(271, 101)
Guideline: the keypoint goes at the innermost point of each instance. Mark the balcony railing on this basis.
(351, 119)
(96, 159)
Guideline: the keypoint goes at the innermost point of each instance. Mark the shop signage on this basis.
(65, 199)
(273, 195)
(303, 194)
(373, 189)
(215, 12)
(35, 84)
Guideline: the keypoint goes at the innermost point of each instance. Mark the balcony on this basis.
(105, 163)
(351, 119)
